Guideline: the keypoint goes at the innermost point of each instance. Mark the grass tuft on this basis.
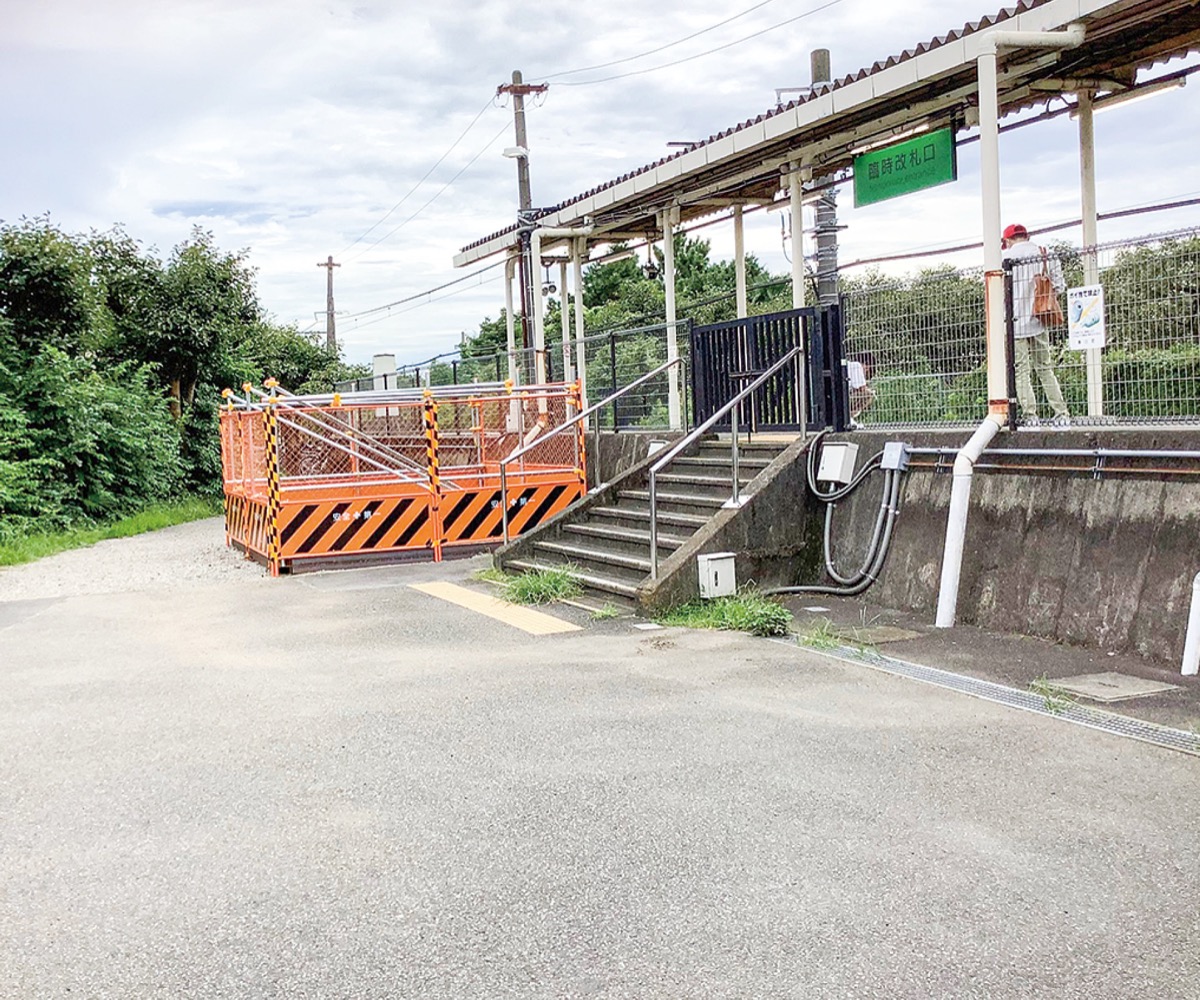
(493, 574)
(1056, 700)
(606, 613)
(820, 635)
(542, 587)
(745, 612)
(163, 515)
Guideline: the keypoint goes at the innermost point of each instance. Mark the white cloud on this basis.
(291, 128)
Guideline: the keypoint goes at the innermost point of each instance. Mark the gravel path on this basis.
(192, 554)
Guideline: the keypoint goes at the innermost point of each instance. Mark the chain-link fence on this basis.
(615, 358)
(455, 369)
(916, 347)
(1148, 369)
(919, 341)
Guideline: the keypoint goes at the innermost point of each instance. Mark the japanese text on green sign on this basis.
(912, 165)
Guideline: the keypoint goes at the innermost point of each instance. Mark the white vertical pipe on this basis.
(578, 249)
(989, 159)
(565, 316)
(956, 523)
(739, 259)
(674, 411)
(1191, 646)
(993, 259)
(796, 201)
(1091, 268)
(539, 323)
(514, 372)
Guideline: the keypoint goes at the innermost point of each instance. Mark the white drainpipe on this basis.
(956, 526)
(539, 324)
(997, 353)
(1191, 645)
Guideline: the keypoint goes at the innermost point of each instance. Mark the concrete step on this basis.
(716, 463)
(682, 481)
(593, 562)
(620, 538)
(591, 555)
(635, 517)
(605, 603)
(669, 500)
(592, 581)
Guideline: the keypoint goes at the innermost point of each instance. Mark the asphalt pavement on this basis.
(335, 785)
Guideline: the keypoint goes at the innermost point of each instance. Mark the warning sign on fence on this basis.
(1085, 318)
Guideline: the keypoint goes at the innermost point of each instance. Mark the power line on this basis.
(419, 305)
(414, 188)
(430, 291)
(661, 48)
(440, 191)
(700, 55)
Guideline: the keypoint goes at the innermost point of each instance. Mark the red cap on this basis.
(1016, 229)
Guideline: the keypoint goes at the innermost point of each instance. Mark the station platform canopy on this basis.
(932, 85)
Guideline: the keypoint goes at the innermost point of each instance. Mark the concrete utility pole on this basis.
(826, 207)
(330, 328)
(528, 273)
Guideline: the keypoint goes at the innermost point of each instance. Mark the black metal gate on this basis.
(727, 356)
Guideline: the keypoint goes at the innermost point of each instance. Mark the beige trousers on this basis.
(1035, 352)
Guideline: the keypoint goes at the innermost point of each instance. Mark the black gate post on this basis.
(831, 322)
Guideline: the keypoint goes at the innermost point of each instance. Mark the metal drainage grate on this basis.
(1027, 701)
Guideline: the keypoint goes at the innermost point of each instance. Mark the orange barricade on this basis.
(398, 472)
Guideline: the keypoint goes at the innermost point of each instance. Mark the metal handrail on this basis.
(689, 439)
(365, 442)
(583, 415)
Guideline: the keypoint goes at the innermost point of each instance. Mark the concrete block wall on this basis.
(1106, 563)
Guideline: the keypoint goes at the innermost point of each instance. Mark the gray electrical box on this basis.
(895, 456)
(718, 575)
(837, 462)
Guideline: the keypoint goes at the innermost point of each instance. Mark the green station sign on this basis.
(923, 161)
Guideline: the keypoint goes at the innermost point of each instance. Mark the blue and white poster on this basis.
(1085, 318)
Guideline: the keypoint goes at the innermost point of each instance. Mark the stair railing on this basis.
(582, 415)
(688, 440)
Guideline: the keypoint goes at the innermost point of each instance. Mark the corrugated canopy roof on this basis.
(934, 83)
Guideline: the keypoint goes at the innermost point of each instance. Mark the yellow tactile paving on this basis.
(525, 619)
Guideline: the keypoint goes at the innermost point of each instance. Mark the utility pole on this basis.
(518, 88)
(826, 208)
(330, 329)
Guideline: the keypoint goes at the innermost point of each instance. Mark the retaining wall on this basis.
(1104, 562)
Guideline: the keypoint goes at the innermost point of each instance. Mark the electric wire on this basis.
(425, 299)
(413, 189)
(428, 291)
(701, 55)
(470, 163)
(661, 48)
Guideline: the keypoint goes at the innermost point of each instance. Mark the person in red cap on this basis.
(1031, 339)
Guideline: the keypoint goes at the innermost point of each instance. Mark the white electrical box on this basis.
(837, 462)
(718, 577)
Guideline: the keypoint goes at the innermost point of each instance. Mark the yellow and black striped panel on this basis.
(475, 515)
(368, 525)
(246, 524)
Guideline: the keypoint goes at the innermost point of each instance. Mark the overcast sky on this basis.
(292, 128)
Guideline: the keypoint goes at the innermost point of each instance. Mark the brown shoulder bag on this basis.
(1046, 307)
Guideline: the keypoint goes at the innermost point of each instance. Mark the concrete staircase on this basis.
(605, 538)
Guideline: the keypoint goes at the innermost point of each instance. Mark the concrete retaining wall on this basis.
(1106, 562)
(611, 454)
